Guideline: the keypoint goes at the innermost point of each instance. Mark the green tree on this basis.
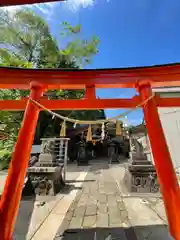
(25, 36)
(26, 41)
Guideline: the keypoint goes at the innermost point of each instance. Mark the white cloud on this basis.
(44, 8)
(75, 5)
(47, 9)
(11, 8)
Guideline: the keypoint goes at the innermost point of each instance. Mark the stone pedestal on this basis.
(140, 175)
(141, 179)
(47, 160)
(46, 180)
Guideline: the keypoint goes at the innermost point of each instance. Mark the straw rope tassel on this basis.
(89, 134)
(118, 128)
(63, 129)
(102, 131)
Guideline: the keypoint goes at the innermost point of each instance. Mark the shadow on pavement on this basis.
(79, 181)
(24, 217)
(151, 232)
(68, 188)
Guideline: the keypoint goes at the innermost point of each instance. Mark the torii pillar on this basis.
(166, 174)
(9, 203)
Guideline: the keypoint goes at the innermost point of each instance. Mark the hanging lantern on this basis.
(89, 134)
(118, 128)
(63, 129)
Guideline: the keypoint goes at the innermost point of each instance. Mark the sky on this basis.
(131, 32)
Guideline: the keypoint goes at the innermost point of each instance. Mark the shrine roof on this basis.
(159, 75)
(21, 2)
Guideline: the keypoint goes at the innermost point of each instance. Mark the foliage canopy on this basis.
(26, 41)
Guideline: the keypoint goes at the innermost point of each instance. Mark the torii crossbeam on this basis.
(22, 2)
(38, 81)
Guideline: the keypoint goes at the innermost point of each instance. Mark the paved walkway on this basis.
(100, 211)
(95, 207)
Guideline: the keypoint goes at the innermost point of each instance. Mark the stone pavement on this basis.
(40, 218)
(101, 211)
(94, 207)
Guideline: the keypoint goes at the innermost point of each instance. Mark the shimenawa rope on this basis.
(76, 121)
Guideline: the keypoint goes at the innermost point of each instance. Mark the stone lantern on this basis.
(48, 173)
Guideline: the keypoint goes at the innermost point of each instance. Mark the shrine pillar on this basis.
(167, 177)
(10, 200)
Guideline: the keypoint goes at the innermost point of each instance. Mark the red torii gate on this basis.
(21, 2)
(38, 81)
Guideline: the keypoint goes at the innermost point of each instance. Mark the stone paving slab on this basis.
(102, 220)
(79, 211)
(140, 214)
(91, 210)
(102, 208)
(48, 228)
(76, 222)
(89, 221)
(157, 206)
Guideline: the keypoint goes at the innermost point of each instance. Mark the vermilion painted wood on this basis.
(89, 104)
(86, 104)
(11, 196)
(166, 75)
(166, 174)
(167, 102)
(21, 2)
(90, 93)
